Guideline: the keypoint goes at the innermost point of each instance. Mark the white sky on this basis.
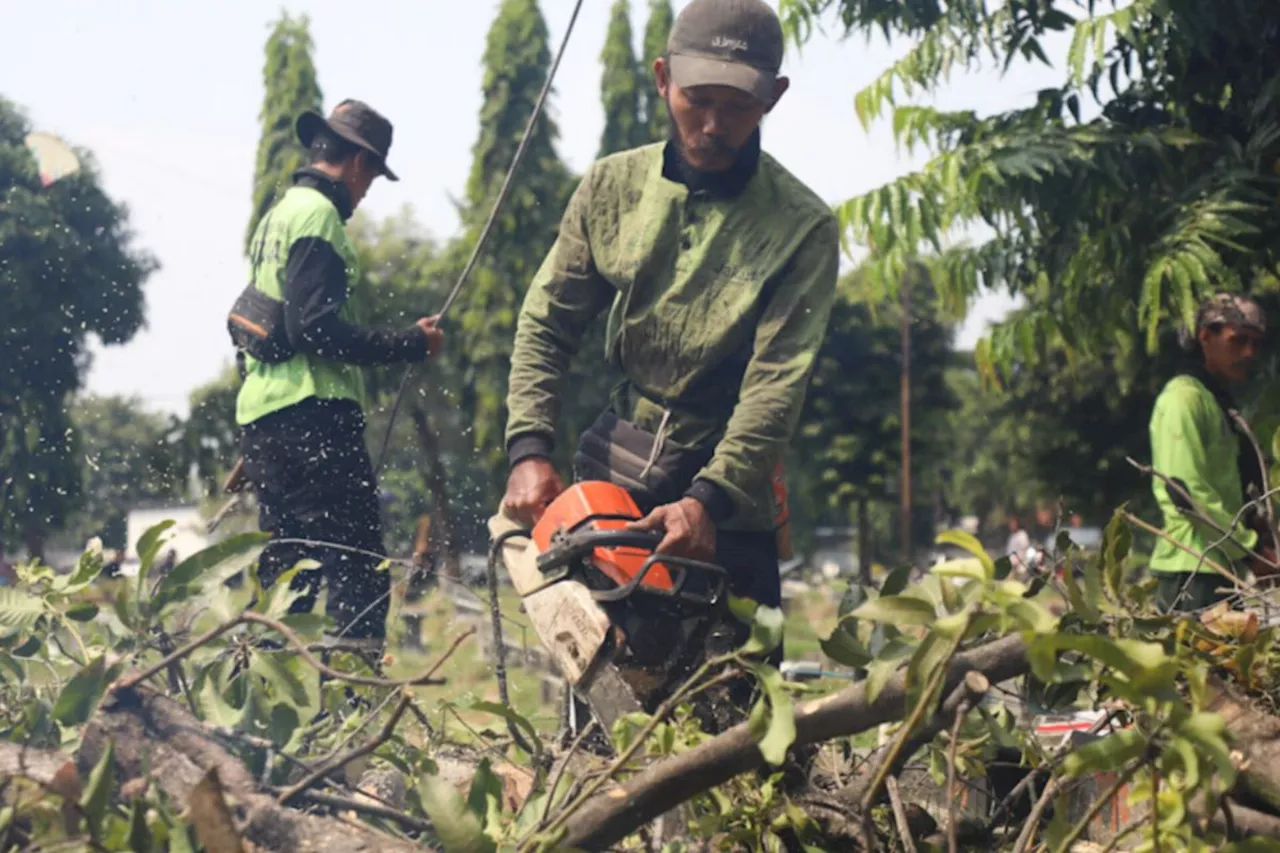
(167, 94)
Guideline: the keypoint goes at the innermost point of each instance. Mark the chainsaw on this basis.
(623, 625)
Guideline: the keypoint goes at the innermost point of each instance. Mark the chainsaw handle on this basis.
(683, 566)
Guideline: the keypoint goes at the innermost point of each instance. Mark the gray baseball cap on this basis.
(734, 43)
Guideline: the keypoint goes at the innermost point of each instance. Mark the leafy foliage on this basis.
(516, 61)
(620, 85)
(68, 269)
(656, 31)
(852, 452)
(1185, 111)
(289, 77)
(131, 456)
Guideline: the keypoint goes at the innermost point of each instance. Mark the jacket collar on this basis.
(330, 188)
(727, 184)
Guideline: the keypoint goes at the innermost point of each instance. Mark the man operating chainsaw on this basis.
(718, 269)
(298, 326)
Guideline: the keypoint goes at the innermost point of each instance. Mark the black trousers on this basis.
(314, 481)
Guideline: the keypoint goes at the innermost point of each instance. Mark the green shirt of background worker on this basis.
(717, 269)
(1196, 444)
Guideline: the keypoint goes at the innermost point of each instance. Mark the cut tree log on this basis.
(1255, 734)
(611, 816)
(155, 735)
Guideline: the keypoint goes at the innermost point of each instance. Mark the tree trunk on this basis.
(34, 541)
(438, 483)
(864, 543)
(154, 736)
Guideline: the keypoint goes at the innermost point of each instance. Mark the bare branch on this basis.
(340, 761)
(900, 815)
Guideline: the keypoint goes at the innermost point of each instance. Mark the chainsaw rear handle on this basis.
(579, 543)
(683, 568)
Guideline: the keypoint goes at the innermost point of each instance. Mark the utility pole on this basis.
(904, 522)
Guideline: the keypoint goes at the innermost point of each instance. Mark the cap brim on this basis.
(688, 71)
(309, 124)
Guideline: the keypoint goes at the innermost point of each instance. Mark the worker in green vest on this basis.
(299, 326)
(1213, 470)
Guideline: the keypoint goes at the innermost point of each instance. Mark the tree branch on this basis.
(300, 647)
(606, 819)
(341, 761)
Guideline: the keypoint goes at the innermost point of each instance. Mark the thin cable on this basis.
(488, 225)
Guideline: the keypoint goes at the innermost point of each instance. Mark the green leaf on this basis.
(1256, 844)
(306, 625)
(853, 596)
(80, 695)
(82, 611)
(967, 569)
(898, 610)
(844, 648)
(277, 600)
(88, 567)
(743, 609)
(1117, 540)
(184, 580)
(896, 581)
(766, 631)
(94, 799)
(283, 723)
(272, 669)
(970, 543)
(512, 717)
(780, 732)
(149, 545)
(1033, 616)
(213, 703)
(457, 827)
(1108, 754)
(484, 800)
(19, 611)
(1085, 608)
(139, 833)
(878, 675)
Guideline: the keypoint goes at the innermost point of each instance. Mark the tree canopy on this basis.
(291, 87)
(1116, 199)
(620, 85)
(69, 269)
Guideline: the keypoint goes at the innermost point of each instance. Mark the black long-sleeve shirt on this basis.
(315, 289)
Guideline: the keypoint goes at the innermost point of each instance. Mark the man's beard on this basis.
(711, 147)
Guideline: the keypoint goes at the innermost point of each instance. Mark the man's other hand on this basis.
(532, 486)
(688, 530)
(435, 335)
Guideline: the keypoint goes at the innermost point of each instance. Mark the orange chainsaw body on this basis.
(599, 505)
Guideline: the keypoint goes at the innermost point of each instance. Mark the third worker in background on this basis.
(301, 327)
(716, 269)
(1196, 442)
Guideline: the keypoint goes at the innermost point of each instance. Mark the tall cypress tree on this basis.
(289, 76)
(661, 19)
(516, 62)
(620, 85)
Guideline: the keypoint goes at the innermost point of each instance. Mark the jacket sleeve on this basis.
(567, 293)
(315, 289)
(788, 336)
(1178, 452)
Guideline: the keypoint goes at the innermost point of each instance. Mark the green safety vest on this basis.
(302, 212)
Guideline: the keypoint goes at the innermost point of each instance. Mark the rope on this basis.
(488, 225)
